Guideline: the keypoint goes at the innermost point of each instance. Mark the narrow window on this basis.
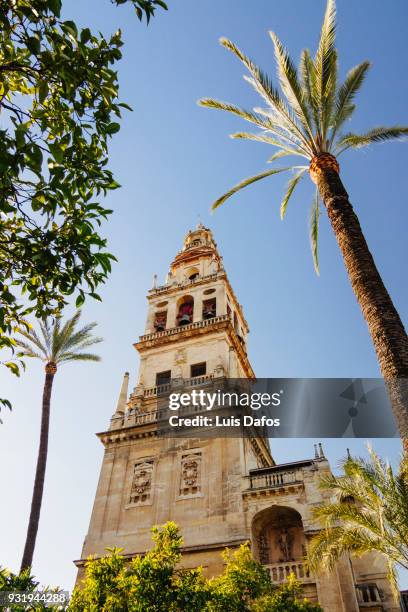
(198, 369)
(163, 378)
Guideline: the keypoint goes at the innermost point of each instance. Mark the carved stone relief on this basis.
(190, 476)
(141, 489)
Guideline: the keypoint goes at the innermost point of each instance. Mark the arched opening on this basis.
(192, 274)
(279, 538)
(185, 310)
(160, 320)
(209, 308)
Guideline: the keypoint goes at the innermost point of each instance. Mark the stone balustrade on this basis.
(177, 330)
(280, 572)
(274, 477)
(367, 594)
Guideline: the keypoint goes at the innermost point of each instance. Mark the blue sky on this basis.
(173, 159)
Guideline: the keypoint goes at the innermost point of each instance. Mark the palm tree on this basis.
(306, 121)
(369, 513)
(57, 344)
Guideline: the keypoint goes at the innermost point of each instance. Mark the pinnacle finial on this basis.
(123, 396)
(200, 225)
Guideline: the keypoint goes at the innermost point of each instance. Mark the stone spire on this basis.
(122, 400)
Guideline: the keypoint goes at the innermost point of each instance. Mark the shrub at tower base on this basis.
(155, 582)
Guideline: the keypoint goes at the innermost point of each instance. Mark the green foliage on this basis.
(288, 598)
(156, 583)
(22, 582)
(304, 118)
(145, 584)
(59, 98)
(59, 108)
(242, 582)
(368, 513)
(144, 7)
(57, 342)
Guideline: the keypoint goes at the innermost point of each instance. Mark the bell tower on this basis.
(195, 332)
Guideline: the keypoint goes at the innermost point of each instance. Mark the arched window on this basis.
(193, 273)
(185, 310)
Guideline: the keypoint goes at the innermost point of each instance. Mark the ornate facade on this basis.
(220, 491)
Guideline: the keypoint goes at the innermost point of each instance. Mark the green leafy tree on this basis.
(305, 119)
(55, 345)
(157, 583)
(25, 582)
(369, 513)
(146, 584)
(242, 582)
(59, 107)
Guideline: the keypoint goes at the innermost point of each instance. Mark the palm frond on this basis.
(327, 547)
(46, 333)
(270, 94)
(282, 115)
(325, 73)
(262, 122)
(307, 72)
(280, 154)
(265, 138)
(290, 189)
(346, 94)
(88, 341)
(63, 334)
(245, 183)
(378, 134)
(314, 231)
(30, 352)
(78, 357)
(56, 339)
(291, 86)
(32, 337)
(76, 339)
(281, 128)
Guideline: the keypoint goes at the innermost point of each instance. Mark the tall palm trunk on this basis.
(50, 370)
(387, 331)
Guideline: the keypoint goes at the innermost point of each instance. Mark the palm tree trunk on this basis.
(36, 501)
(385, 326)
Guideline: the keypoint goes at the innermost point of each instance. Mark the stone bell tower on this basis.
(221, 492)
(195, 331)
